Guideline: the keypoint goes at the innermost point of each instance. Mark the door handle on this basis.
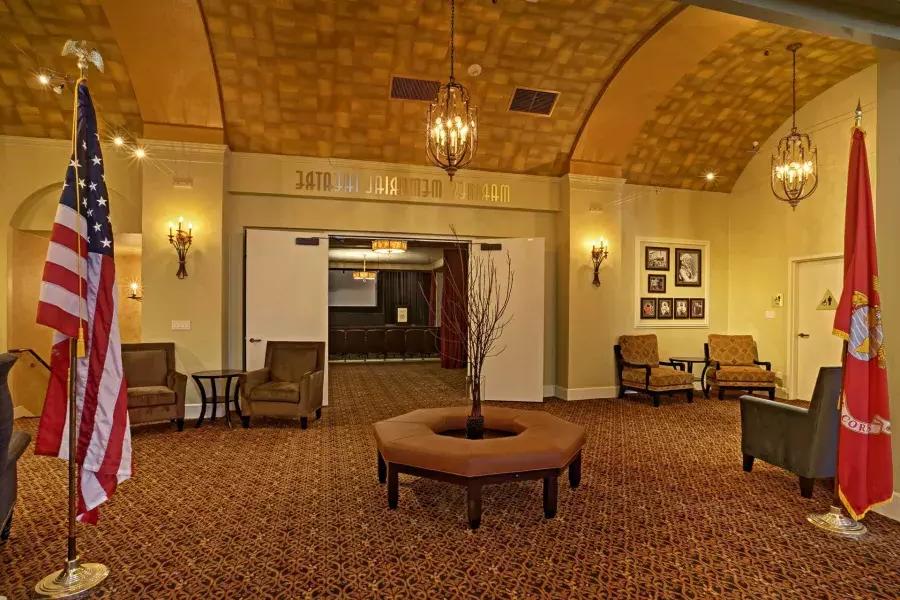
(799, 335)
(254, 340)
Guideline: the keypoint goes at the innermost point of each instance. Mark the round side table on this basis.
(228, 375)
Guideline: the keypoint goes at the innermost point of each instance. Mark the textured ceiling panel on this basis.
(313, 78)
(736, 96)
(32, 34)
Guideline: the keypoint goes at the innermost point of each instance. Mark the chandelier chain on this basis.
(794, 91)
(452, 35)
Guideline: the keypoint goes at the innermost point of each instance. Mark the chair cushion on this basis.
(145, 367)
(732, 349)
(276, 391)
(150, 395)
(291, 363)
(737, 375)
(660, 377)
(640, 349)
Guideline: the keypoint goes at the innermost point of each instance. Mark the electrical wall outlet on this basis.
(778, 300)
(181, 325)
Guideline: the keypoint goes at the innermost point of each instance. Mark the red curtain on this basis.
(453, 309)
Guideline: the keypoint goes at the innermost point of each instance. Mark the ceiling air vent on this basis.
(535, 102)
(405, 88)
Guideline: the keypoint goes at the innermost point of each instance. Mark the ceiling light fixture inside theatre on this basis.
(388, 246)
(451, 130)
(795, 161)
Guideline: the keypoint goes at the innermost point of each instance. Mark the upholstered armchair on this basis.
(155, 389)
(290, 385)
(733, 363)
(800, 440)
(639, 369)
(12, 446)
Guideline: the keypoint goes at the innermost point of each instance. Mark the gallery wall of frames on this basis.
(671, 283)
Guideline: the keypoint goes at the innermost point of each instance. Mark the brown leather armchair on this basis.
(290, 385)
(155, 389)
(12, 446)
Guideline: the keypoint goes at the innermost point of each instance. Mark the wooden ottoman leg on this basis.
(474, 504)
(551, 493)
(382, 469)
(393, 486)
(575, 471)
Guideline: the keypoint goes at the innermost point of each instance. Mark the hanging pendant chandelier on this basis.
(795, 161)
(364, 275)
(451, 129)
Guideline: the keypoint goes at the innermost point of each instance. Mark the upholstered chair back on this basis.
(732, 350)
(825, 417)
(148, 364)
(640, 349)
(6, 415)
(289, 361)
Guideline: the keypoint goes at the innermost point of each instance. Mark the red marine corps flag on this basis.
(864, 442)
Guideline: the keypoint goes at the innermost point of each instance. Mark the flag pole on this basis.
(835, 521)
(76, 578)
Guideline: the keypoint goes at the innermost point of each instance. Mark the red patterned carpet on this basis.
(664, 511)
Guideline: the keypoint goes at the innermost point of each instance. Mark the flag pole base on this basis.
(836, 522)
(76, 580)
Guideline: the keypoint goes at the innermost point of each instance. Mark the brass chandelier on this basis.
(795, 161)
(451, 129)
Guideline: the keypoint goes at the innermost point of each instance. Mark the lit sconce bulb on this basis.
(118, 141)
(134, 287)
(710, 176)
(43, 79)
(140, 152)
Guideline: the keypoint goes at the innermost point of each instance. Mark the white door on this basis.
(286, 294)
(517, 373)
(818, 290)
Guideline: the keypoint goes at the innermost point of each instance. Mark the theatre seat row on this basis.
(384, 342)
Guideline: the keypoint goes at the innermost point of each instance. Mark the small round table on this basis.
(228, 375)
(690, 361)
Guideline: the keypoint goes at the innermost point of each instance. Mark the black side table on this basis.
(690, 361)
(228, 375)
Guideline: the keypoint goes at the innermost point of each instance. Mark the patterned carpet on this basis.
(664, 511)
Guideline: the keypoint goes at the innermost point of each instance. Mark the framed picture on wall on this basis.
(698, 308)
(656, 258)
(688, 267)
(682, 308)
(656, 284)
(664, 308)
(648, 308)
(402, 314)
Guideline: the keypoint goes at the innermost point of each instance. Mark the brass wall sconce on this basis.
(181, 239)
(134, 291)
(599, 252)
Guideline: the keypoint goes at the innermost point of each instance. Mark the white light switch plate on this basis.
(770, 314)
(181, 325)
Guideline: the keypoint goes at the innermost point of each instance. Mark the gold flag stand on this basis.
(835, 521)
(76, 579)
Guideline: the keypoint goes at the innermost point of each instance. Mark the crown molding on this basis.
(593, 183)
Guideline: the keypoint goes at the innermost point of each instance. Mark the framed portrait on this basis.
(664, 308)
(682, 308)
(656, 284)
(402, 314)
(688, 267)
(698, 308)
(648, 308)
(656, 258)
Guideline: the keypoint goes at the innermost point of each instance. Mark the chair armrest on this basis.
(311, 390)
(763, 363)
(253, 379)
(17, 444)
(675, 364)
(628, 365)
(773, 424)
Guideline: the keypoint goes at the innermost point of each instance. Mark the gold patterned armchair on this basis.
(290, 385)
(733, 363)
(639, 369)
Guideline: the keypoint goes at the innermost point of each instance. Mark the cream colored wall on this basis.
(766, 233)
(599, 207)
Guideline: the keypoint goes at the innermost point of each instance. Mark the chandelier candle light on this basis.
(451, 129)
(181, 240)
(795, 161)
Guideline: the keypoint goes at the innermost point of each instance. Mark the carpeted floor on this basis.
(664, 511)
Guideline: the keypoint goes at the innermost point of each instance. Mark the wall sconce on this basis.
(134, 291)
(599, 252)
(181, 239)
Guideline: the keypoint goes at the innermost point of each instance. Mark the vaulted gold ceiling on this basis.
(305, 77)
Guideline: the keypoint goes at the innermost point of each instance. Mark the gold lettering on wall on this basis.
(396, 186)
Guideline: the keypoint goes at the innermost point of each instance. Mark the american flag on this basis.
(79, 289)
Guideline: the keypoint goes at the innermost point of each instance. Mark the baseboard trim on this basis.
(891, 510)
(549, 391)
(586, 393)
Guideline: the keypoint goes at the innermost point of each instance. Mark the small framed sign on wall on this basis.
(684, 265)
(402, 314)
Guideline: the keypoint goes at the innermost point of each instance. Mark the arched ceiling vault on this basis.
(650, 90)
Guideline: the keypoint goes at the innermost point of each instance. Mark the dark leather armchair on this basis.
(800, 440)
(290, 385)
(12, 446)
(156, 390)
